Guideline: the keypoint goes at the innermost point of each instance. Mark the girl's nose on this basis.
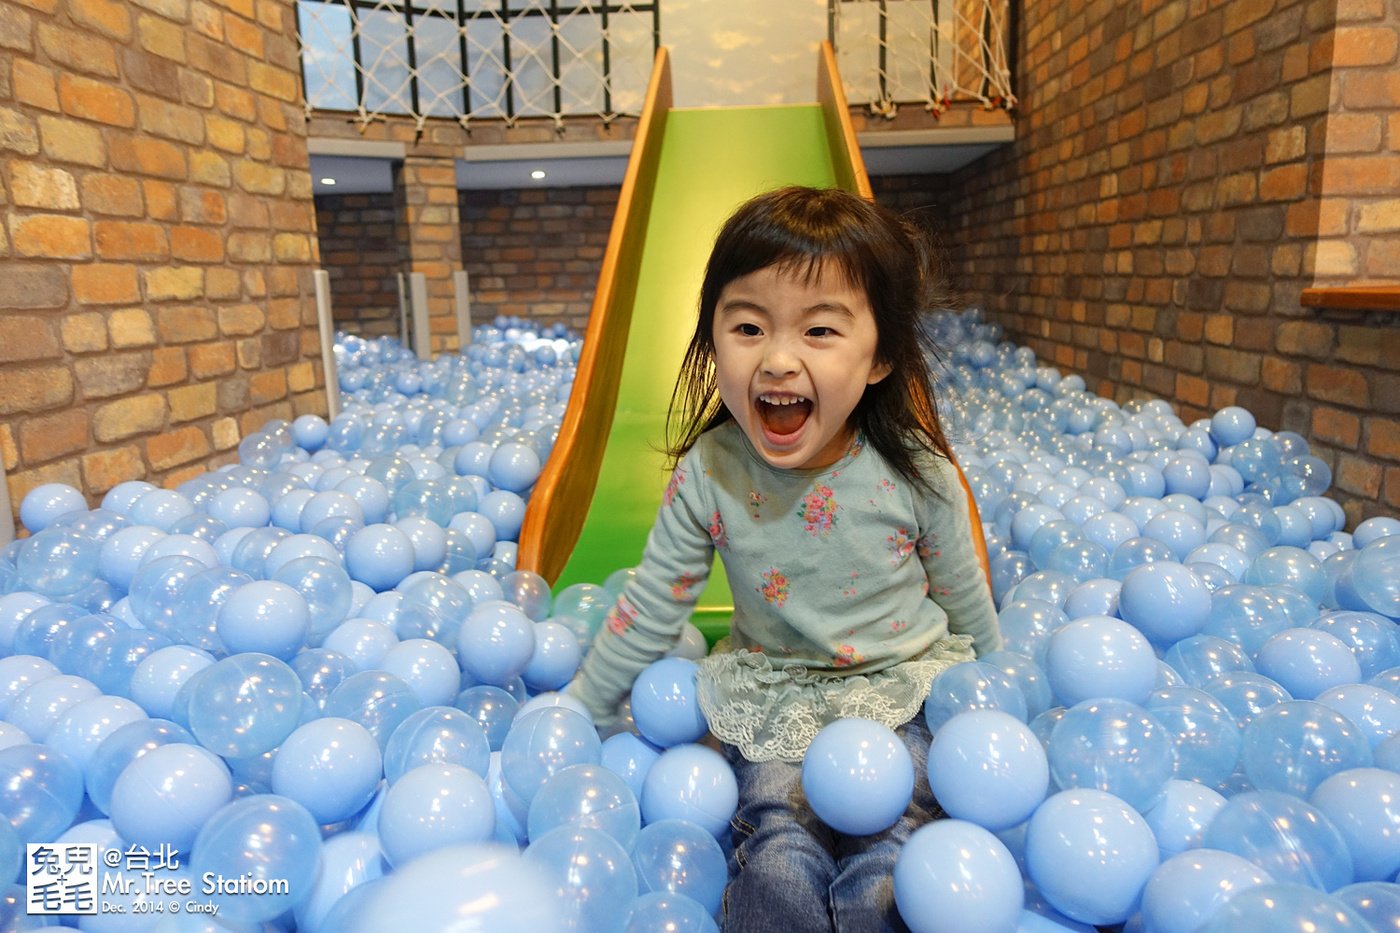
(779, 361)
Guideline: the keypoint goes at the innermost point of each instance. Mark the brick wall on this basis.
(360, 251)
(1155, 222)
(156, 253)
(535, 252)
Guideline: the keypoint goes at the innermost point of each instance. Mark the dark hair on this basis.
(804, 231)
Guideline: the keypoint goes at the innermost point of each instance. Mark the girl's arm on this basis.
(955, 578)
(650, 614)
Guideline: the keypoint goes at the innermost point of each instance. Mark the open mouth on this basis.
(782, 415)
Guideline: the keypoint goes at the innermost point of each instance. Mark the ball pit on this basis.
(324, 655)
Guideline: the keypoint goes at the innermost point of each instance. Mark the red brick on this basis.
(197, 244)
(1343, 386)
(176, 447)
(93, 100)
(105, 284)
(50, 436)
(121, 240)
(167, 367)
(1337, 428)
(50, 236)
(23, 391)
(1383, 438)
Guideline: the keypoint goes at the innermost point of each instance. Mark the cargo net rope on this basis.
(930, 52)
(468, 60)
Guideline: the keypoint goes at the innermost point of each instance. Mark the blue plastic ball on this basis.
(586, 795)
(41, 791)
(42, 504)
(1284, 908)
(1180, 818)
(664, 703)
(988, 768)
(679, 857)
(244, 705)
(267, 837)
(690, 782)
(664, 910)
(495, 642)
(857, 776)
(953, 875)
(437, 735)
(330, 766)
(1364, 805)
(1306, 662)
(123, 747)
(589, 874)
(166, 795)
(1375, 712)
(1285, 836)
(1097, 656)
(970, 686)
(377, 700)
(1187, 890)
(492, 707)
(1090, 854)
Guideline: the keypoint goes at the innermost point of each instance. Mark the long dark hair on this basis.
(803, 231)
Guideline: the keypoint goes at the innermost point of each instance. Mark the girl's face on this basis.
(792, 360)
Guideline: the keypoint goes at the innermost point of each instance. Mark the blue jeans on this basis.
(791, 873)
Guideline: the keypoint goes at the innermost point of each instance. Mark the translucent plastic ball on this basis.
(988, 768)
(1026, 625)
(1181, 816)
(1246, 615)
(1285, 836)
(953, 875)
(1373, 639)
(166, 794)
(1115, 746)
(1204, 734)
(123, 747)
(586, 795)
(1098, 656)
(691, 782)
(267, 837)
(434, 806)
(1364, 805)
(161, 674)
(1187, 890)
(495, 643)
(265, 617)
(330, 766)
(1165, 601)
(1245, 694)
(1376, 902)
(679, 857)
(542, 743)
(589, 874)
(857, 776)
(244, 705)
(58, 562)
(427, 667)
(1296, 745)
(1306, 662)
(1376, 575)
(1090, 854)
(1201, 657)
(1027, 675)
(41, 791)
(377, 700)
(492, 707)
(437, 735)
(663, 910)
(326, 589)
(971, 686)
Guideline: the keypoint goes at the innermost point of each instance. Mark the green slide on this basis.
(711, 162)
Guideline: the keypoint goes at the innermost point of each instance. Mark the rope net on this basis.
(468, 59)
(932, 52)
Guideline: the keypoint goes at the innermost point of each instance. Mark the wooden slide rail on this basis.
(559, 504)
(851, 175)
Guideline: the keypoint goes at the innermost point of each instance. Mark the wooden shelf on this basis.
(1360, 297)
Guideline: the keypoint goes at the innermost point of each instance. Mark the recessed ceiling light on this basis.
(327, 181)
(537, 174)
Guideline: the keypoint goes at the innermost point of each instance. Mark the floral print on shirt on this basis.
(775, 588)
(621, 616)
(846, 655)
(681, 588)
(926, 545)
(901, 546)
(718, 536)
(673, 487)
(818, 511)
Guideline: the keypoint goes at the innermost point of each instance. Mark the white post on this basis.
(418, 296)
(7, 516)
(403, 310)
(327, 327)
(463, 298)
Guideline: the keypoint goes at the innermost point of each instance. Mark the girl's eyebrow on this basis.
(833, 307)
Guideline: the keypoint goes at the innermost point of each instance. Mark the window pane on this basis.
(439, 66)
(384, 55)
(327, 57)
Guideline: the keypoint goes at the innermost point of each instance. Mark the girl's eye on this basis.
(820, 331)
(749, 330)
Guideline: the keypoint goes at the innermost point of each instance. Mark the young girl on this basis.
(810, 456)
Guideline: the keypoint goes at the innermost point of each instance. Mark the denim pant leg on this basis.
(782, 866)
(862, 895)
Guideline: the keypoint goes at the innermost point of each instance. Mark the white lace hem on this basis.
(773, 713)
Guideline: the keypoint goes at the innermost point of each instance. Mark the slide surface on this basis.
(711, 162)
